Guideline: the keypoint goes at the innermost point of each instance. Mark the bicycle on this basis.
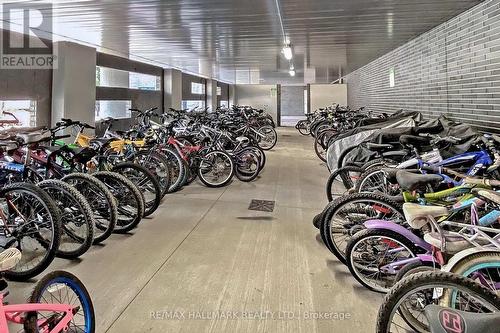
(59, 302)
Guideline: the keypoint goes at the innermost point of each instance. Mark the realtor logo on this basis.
(26, 29)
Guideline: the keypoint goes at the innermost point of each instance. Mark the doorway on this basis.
(293, 104)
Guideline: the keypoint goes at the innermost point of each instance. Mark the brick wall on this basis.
(453, 69)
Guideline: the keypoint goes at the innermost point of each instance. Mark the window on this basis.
(18, 113)
(144, 81)
(197, 88)
(114, 109)
(111, 77)
(224, 104)
(193, 104)
(219, 91)
(392, 77)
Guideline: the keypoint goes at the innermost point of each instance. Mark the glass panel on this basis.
(113, 109)
(17, 113)
(190, 105)
(111, 77)
(224, 104)
(144, 81)
(197, 88)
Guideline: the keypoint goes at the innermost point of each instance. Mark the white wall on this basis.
(327, 94)
(259, 96)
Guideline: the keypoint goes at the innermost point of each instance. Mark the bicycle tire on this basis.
(336, 205)
(82, 206)
(370, 233)
(53, 211)
(158, 165)
(177, 169)
(344, 174)
(60, 277)
(106, 208)
(419, 280)
(150, 204)
(132, 193)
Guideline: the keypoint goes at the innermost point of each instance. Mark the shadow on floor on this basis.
(256, 218)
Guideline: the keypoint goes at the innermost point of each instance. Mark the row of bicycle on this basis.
(414, 212)
(57, 199)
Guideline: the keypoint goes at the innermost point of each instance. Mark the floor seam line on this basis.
(163, 264)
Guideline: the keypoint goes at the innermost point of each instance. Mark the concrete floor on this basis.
(205, 263)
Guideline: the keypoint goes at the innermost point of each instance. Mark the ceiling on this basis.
(240, 40)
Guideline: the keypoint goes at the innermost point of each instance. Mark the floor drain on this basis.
(261, 205)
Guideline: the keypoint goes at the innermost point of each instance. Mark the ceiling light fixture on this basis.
(287, 52)
(292, 72)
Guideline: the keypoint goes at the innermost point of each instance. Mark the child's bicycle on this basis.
(59, 303)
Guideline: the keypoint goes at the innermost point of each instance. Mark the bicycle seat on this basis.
(9, 259)
(413, 140)
(33, 137)
(489, 195)
(446, 320)
(379, 146)
(390, 174)
(416, 215)
(412, 181)
(8, 145)
(242, 139)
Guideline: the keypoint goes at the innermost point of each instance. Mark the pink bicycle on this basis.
(59, 303)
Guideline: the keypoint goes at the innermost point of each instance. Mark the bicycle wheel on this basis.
(374, 179)
(145, 181)
(216, 169)
(246, 165)
(77, 221)
(268, 137)
(262, 156)
(158, 165)
(303, 127)
(61, 287)
(129, 200)
(403, 307)
(177, 169)
(368, 251)
(32, 224)
(345, 216)
(321, 143)
(100, 199)
(341, 181)
(483, 266)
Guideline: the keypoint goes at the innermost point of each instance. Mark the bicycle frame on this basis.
(433, 255)
(14, 314)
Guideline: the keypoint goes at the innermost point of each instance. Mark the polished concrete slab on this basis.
(205, 263)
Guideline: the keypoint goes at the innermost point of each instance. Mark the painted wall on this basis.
(452, 70)
(323, 95)
(258, 96)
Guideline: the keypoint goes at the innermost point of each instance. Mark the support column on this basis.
(172, 81)
(74, 83)
(212, 95)
(232, 95)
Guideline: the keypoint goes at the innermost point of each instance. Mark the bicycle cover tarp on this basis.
(358, 135)
(442, 126)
